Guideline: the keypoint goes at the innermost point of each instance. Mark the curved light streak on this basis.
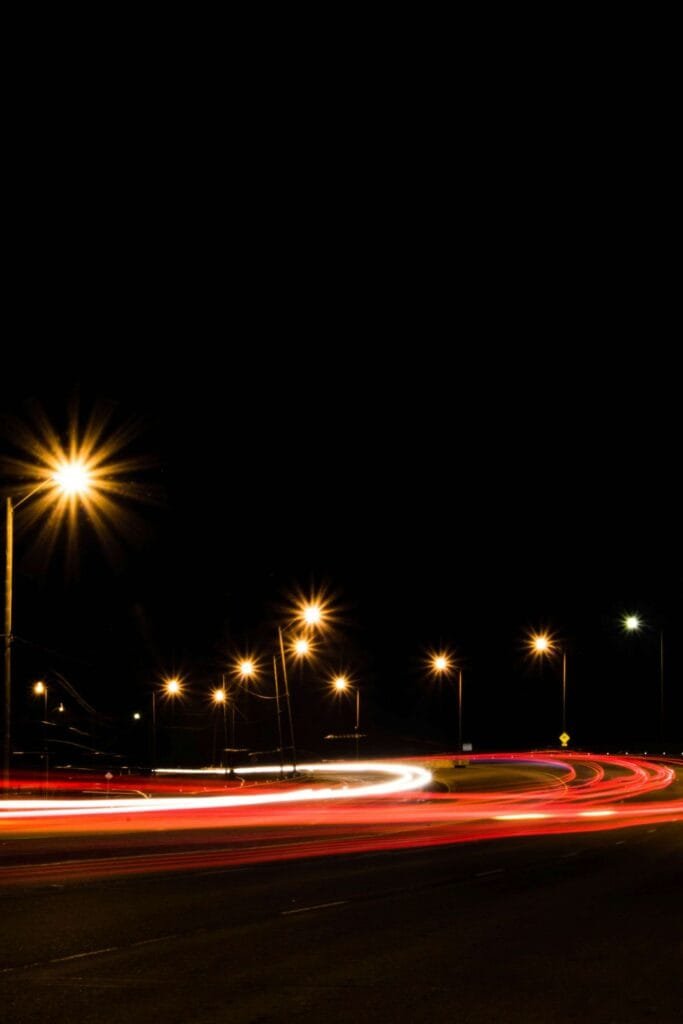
(403, 778)
(272, 820)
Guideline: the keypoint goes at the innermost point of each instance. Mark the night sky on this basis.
(448, 492)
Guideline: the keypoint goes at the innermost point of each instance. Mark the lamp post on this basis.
(543, 645)
(171, 688)
(69, 480)
(341, 685)
(40, 690)
(442, 665)
(220, 697)
(311, 615)
(634, 624)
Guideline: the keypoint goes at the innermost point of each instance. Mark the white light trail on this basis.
(403, 778)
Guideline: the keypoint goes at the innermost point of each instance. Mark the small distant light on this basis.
(39, 687)
(219, 696)
(340, 683)
(60, 708)
(631, 623)
(137, 716)
(173, 686)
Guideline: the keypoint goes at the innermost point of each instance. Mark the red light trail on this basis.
(203, 819)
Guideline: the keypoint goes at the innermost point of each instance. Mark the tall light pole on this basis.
(68, 479)
(171, 688)
(40, 690)
(442, 665)
(220, 697)
(311, 615)
(634, 624)
(544, 645)
(341, 684)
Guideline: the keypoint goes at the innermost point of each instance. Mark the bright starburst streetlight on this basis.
(631, 623)
(545, 645)
(341, 684)
(170, 688)
(86, 470)
(73, 478)
(301, 647)
(541, 643)
(312, 614)
(246, 668)
(441, 663)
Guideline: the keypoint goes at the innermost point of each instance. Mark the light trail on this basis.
(373, 806)
(403, 779)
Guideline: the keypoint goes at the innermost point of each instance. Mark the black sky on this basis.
(445, 494)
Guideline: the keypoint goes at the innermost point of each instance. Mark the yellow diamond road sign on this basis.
(564, 738)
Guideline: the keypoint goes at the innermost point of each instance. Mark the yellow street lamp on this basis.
(341, 684)
(545, 645)
(311, 614)
(170, 688)
(220, 698)
(68, 480)
(246, 669)
(301, 647)
(40, 690)
(634, 624)
(441, 664)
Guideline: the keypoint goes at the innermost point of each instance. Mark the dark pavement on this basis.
(540, 930)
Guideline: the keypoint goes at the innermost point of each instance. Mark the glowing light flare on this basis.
(440, 662)
(246, 668)
(73, 478)
(173, 687)
(219, 696)
(340, 683)
(631, 623)
(541, 644)
(312, 614)
(39, 688)
(87, 469)
(301, 647)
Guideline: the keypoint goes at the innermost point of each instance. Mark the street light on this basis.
(341, 685)
(40, 690)
(220, 698)
(312, 614)
(634, 624)
(68, 479)
(170, 688)
(545, 645)
(442, 665)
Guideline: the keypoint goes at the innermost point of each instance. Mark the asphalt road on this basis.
(536, 930)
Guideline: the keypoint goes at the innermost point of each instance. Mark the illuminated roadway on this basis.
(378, 906)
